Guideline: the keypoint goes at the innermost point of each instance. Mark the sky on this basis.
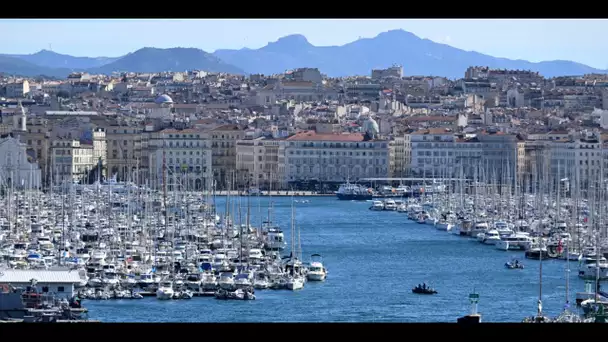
(533, 40)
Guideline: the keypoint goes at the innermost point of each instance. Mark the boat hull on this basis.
(316, 276)
(354, 197)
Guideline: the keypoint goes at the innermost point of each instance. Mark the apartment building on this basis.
(71, 161)
(433, 152)
(260, 163)
(223, 146)
(124, 144)
(335, 158)
(186, 155)
(401, 156)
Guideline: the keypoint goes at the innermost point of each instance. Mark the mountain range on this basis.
(417, 56)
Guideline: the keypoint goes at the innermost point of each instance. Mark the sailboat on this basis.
(294, 265)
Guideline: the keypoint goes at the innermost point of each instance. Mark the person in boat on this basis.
(516, 263)
(424, 286)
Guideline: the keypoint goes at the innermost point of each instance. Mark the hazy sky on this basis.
(534, 40)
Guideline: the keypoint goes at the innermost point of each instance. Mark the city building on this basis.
(260, 163)
(18, 168)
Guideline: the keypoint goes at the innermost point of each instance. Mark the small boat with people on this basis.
(424, 289)
(515, 264)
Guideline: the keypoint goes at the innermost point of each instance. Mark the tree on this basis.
(63, 94)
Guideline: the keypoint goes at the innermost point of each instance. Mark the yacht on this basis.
(390, 205)
(226, 280)
(589, 265)
(444, 225)
(377, 206)
(295, 283)
(165, 291)
(354, 192)
(503, 228)
(480, 227)
(242, 281)
(516, 241)
(275, 239)
(491, 237)
(536, 251)
(316, 270)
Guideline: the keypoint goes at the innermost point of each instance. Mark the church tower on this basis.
(22, 117)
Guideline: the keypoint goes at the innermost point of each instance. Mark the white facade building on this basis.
(59, 282)
(71, 161)
(187, 155)
(261, 163)
(16, 167)
(335, 157)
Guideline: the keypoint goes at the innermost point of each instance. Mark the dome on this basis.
(371, 127)
(163, 99)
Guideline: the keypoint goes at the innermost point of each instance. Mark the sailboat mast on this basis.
(165, 186)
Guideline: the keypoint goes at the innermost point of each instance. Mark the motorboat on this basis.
(165, 291)
(423, 289)
(239, 294)
(316, 270)
(515, 264)
(536, 252)
(592, 267)
(480, 227)
(226, 280)
(377, 206)
(491, 237)
(260, 281)
(354, 192)
(295, 283)
(444, 225)
(517, 241)
(242, 281)
(275, 239)
(390, 205)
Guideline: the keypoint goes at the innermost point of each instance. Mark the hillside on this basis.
(50, 59)
(417, 56)
(175, 59)
(17, 66)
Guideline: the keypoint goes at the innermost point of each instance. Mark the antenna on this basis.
(50, 47)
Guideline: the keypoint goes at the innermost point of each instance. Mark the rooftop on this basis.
(9, 276)
(314, 136)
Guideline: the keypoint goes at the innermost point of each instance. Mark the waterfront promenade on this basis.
(274, 193)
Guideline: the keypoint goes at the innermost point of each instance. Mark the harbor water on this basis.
(374, 259)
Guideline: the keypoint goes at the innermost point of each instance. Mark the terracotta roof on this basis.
(314, 136)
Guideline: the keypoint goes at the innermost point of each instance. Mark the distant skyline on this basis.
(533, 40)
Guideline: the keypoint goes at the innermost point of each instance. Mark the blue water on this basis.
(374, 259)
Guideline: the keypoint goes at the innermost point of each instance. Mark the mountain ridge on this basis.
(418, 56)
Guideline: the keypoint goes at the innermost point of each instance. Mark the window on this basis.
(45, 289)
(60, 289)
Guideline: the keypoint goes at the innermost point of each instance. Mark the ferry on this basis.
(354, 192)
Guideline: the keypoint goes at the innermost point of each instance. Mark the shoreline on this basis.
(274, 194)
